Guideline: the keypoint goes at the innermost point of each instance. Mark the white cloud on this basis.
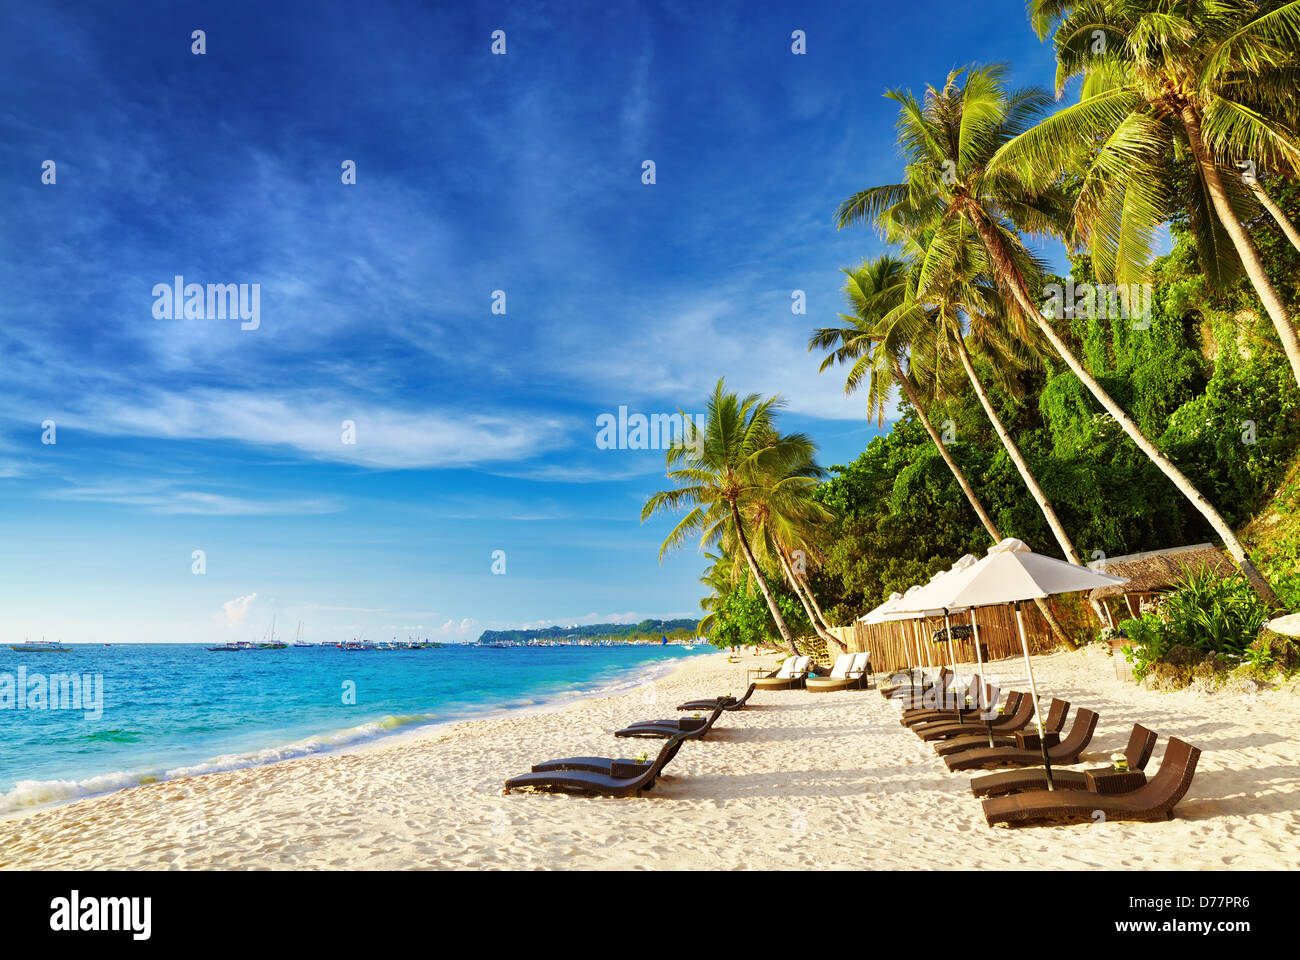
(312, 424)
(236, 611)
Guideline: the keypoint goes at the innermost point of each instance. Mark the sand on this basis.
(794, 781)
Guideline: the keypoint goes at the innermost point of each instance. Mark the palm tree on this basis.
(1168, 79)
(874, 288)
(888, 324)
(950, 141)
(722, 470)
(786, 521)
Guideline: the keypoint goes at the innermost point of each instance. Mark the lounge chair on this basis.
(1017, 711)
(847, 672)
(951, 707)
(910, 691)
(595, 782)
(1140, 744)
(1067, 751)
(1155, 800)
(728, 703)
(671, 727)
(979, 739)
(791, 671)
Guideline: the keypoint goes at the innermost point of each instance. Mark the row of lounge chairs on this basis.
(968, 738)
(621, 778)
(610, 777)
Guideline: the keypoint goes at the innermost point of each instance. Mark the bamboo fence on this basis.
(893, 645)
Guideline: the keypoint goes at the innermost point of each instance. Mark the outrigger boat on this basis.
(233, 645)
(39, 646)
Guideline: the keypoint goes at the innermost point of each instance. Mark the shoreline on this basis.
(630, 678)
(793, 781)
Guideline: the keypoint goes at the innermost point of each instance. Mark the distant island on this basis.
(647, 631)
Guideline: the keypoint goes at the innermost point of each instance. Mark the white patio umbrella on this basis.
(930, 601)
(1012, 573)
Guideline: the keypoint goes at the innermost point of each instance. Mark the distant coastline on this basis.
(647, 631)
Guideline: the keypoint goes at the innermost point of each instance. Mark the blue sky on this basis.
(475, 432)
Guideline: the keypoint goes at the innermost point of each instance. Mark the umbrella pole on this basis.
(947, 629)
(979, 659)
(1033, 692)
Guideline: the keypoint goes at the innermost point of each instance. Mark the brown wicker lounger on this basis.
(950, 711)
(1067, 751)
(1154, 801)
(889, 691)
(728, 703)
(1140, 744)
(592, 782)
(670, 727)
(1018, 711)
(927, 693)
(977, 740)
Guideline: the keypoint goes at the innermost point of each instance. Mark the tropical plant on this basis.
(721, 470)
(1207, 83)
(950, 141)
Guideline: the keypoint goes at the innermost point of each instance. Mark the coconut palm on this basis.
(949, 141)
(1204, 82)
(873, 289)
(889, 327)
(786, 522)
(721, 470)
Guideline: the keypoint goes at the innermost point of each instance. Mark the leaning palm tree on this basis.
(873, 289)
(786, 521)
(949, 141)
(890, 327)
(720, 470)
(1161, 80)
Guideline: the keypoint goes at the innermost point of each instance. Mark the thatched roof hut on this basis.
(1159, 570)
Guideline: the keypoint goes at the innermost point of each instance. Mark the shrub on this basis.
(1204, 618)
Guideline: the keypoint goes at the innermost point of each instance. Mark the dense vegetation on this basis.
(1087, 424)
(1203, 380)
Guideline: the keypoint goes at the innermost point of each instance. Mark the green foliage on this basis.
(742, 618)
(1205, 615)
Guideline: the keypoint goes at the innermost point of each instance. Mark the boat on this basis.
(39, 646)
(297, 640)
(232, 645)
(272, 643)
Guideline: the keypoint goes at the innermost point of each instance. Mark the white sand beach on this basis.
(795, 780)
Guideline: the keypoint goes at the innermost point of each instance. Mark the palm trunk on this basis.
(1052, 623)
(1278, 214)
(762, 583)
(807, 588)
(1246, 250)
(1067, 546)
(1011, 277)
(915, 401)
(793, 581)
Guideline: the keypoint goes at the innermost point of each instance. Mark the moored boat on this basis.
(39, 646)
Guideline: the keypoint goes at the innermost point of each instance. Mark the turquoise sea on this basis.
(147, 712)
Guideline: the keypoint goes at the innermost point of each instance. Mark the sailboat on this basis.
(272, 644)
(297, 640)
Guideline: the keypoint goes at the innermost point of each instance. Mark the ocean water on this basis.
(169, 710)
